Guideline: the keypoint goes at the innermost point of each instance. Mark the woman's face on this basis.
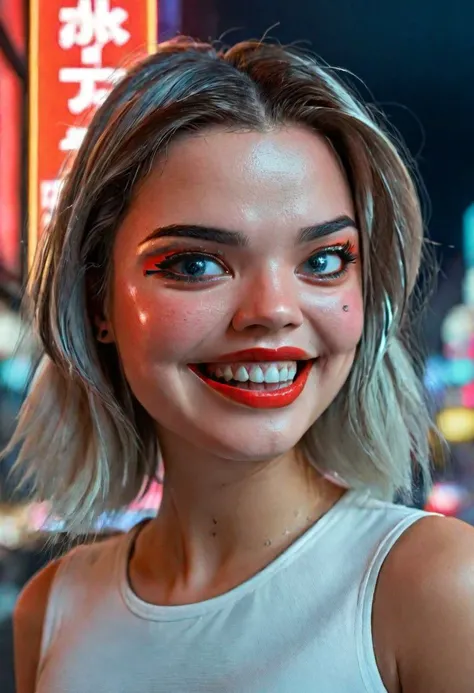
(238, 242)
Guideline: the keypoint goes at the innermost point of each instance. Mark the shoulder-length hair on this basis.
(82, 435)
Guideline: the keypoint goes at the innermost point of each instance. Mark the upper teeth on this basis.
(266, 372)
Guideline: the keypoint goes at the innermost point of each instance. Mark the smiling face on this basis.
(238, 242)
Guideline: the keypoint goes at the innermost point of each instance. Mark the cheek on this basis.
(339, 320)
(351, 318)
(152, 324)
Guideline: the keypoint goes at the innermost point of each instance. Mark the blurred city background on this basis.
(413, 58)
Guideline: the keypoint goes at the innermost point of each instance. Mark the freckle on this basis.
(214, 534)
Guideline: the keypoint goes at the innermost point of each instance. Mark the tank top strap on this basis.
(363, 626)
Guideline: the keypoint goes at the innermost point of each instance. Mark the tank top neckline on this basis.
(155, 612)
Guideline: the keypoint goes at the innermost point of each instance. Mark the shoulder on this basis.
(425, 606)
(52, 594)
(28, 619)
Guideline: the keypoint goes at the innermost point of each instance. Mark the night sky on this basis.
(416, 58)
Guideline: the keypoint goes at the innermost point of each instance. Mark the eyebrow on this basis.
(239, 239)
(326, 228)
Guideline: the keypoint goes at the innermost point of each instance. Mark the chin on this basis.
(256, 438)
(246, 451)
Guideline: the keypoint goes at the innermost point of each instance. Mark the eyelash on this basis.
(161, 266)
(346, 252)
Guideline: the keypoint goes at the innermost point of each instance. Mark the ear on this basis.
(96, 308)
(104, 331)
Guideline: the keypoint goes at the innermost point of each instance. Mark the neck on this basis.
(222, 521)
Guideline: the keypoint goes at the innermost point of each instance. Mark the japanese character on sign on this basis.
(89, 93)
(49, 191)
(91, 25)
(73, 139)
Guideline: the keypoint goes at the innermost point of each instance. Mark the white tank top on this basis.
(301, 625)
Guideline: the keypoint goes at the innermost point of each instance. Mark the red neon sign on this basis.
(77, 52)
(11, 115)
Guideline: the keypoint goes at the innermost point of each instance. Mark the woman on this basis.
(223, 288)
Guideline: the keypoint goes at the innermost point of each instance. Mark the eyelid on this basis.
(343, 245)
(175, 251)
(347, 251)
(174, 258)
(177, 248)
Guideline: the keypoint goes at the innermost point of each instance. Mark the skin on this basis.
(278, 183)
(273, 188)
(224, 514)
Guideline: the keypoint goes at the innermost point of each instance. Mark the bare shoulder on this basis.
(424, 607)
(28, 619)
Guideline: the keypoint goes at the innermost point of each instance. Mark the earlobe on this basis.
(104, 332)
(105, 335)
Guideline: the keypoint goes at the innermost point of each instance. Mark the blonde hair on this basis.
(83, 437)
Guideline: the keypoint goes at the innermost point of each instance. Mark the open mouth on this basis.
(257, 377)
(265, 384)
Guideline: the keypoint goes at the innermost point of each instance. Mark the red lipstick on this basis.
(261, 399)
(260, 354)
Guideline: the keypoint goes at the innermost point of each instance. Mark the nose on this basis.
(271, 301)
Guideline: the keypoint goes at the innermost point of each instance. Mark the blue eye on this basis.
(329, 263)
(197, 266)
(188, 267)
(325, 263)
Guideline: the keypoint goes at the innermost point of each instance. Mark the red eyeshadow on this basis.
(151, 262)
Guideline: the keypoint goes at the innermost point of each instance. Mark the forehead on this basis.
(248, 181)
